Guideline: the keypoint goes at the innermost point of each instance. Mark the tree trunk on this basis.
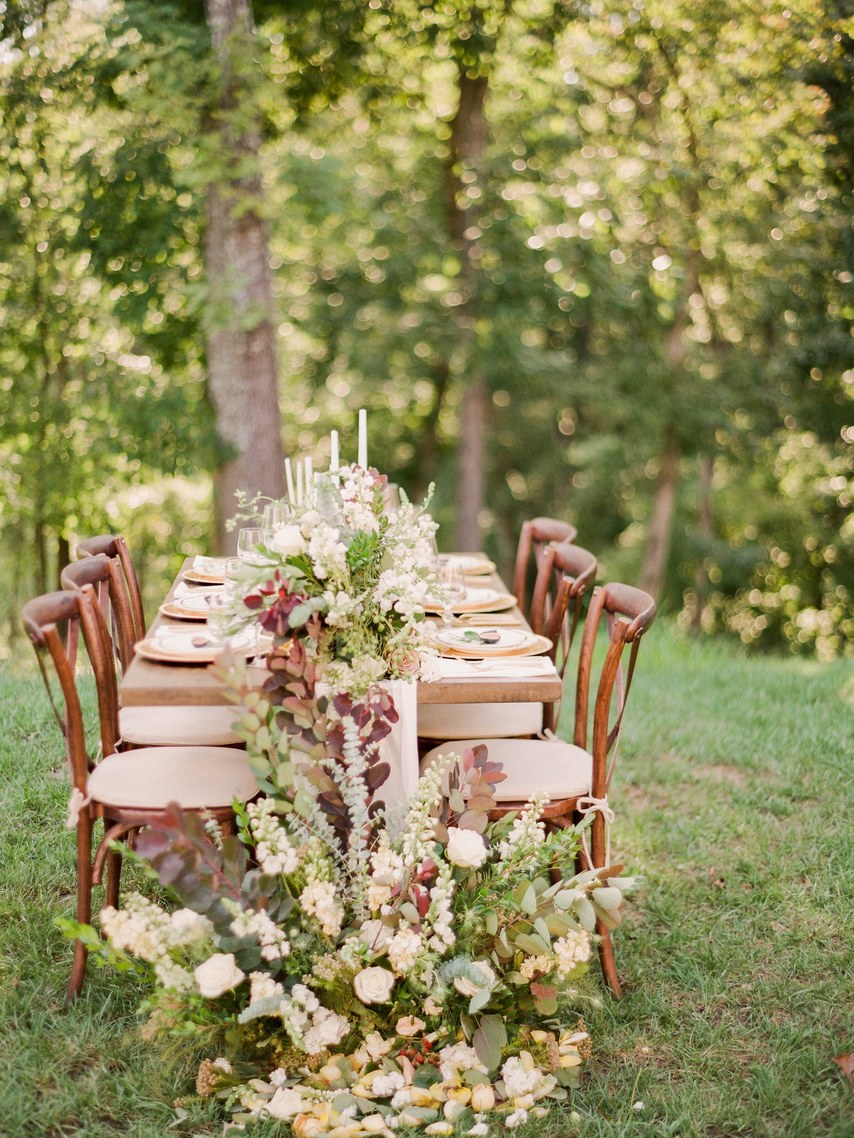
(661, 523)
(428, 437)
(704, 531)
(465, 161)
(242, 374)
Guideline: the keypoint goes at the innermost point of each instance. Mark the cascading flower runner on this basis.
(347, 967)
(355, 978)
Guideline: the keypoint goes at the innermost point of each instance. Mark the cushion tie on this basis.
(586, 806)
(77, 802)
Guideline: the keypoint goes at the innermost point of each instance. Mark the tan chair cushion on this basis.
(458, 720)
(152, 777)
(178, 726)
(560, 769)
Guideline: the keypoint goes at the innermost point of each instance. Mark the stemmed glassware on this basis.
(276, 516)
(248, 540)
(452, 584)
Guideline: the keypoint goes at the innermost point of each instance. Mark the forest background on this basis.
(590, 260)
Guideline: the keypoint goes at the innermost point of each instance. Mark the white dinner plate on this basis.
(194, 606)
(206, 571)
(476, 600)
(484, 643)
(177, 646)
(198, 578)
(472, 564)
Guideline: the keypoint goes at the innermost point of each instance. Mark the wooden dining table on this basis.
(147, 682)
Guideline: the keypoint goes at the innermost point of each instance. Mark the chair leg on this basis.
(114, 874)
(84, 903)
(606, 960)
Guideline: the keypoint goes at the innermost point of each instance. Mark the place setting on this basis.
(488, 643)
(474, 599)
(171, 644)
(206, 571)
(196, 604)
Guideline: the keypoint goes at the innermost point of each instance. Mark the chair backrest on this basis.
(626, 613)
(534, 537)
(565, 574)
(42, 619)
(115, 547)
(97, 571)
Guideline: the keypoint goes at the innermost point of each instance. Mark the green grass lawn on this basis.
(734, 802)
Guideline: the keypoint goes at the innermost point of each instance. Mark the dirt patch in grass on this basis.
(721, 772)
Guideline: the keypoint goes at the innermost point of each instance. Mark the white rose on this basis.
(218, 974)
(373, 985)
(465, 848)
(468, 987)
(285, 1102)
(289, 541)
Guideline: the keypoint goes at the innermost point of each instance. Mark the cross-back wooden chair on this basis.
(115, 547)
(173, 725)
(123, 791)
(576, 776)
(535, 537)
(565, 573)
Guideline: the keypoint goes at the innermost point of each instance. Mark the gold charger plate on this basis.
(472, 565)
(178, 648)
(476, 600)
(196, 606)
(512, 642)
(197, 578)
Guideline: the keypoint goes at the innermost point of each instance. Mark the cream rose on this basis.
(289, 541)
(468, 987)
(465, 848)
(407, 1026)
(218, 974)
(373, 985)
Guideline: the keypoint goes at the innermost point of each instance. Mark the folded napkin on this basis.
(210, 566)
(491, 620)
(182, 589)
(444, 668)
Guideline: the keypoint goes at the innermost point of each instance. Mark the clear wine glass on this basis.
(248, 541)
(452, 583)
(275, 516)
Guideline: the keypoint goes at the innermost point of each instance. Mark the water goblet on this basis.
(248, 541)
(275, 516)
(452, 584)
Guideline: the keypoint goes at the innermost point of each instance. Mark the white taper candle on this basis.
(333, 451)
(363, 439)
(289, 478)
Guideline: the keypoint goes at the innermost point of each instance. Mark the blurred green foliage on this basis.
(663, 234)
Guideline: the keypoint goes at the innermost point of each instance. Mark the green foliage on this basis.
(661, 248)
(736, 957)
